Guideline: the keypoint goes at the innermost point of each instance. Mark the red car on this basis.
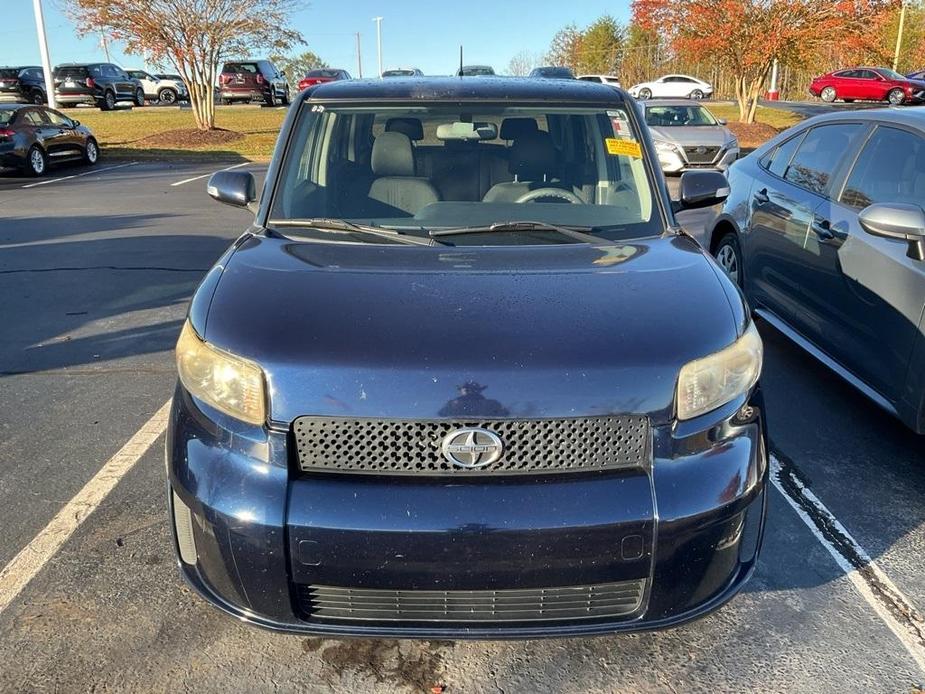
(868, 84)
(322, 75)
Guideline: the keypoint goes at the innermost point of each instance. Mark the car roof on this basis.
(512, 89)
(15, 107)
(672, 102)
(911, 117)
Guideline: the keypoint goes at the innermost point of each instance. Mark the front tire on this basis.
(139, 97)
(167, 96)
(696, 94)
(38, 97)
(828, 95)
(285, 100)
(896, 97)
(645, 94)
(91, 152)
(728, 255)
(36, 161)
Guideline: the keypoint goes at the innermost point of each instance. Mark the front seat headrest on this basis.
(392, 155)
(411, 127)
(533, 157)
(513, 128)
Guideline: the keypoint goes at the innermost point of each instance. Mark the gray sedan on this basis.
(687, 136)
(824, 230)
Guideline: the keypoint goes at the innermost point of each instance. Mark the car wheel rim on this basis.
(896, 98)
(697, 94)
(110, 101)
(38, 161)
(37, 98)
(727, 259)
(828, 94)
(168, 97)
(91, 152)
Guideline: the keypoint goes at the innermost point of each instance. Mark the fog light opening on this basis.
(183, 522)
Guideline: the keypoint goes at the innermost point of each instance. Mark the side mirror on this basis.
(702, 189)
(236, 188)
(76, 123)
(722, 121)
(897, 221)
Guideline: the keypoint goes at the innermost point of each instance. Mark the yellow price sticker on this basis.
(626, 148)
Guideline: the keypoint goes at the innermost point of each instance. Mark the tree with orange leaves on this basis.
(744, 37)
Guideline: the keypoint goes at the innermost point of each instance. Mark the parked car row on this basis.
(94, 84)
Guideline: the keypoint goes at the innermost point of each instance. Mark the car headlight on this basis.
(733, 144)
(664, 147)
(228, 383)
(707, 383)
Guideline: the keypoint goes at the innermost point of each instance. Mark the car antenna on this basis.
(460, 60)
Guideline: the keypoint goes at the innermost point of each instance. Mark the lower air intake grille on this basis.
(530, 446)
(528, 605)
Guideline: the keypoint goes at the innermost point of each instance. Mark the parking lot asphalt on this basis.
(95, 273)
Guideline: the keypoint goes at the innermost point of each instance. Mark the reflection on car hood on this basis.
(546, 331)
(693, 136)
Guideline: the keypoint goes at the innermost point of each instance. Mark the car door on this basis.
(44, 132)
(790, 186)
(126, 86)
(70, 143)
(870, 294)
(847, 85)
(870, 85)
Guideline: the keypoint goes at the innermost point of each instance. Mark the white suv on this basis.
(164, 91)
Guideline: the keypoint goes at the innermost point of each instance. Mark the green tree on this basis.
(295, 66)
(599, 48)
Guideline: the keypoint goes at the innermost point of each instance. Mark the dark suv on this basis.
(96, 84)
(22, 84)
(444, 387)
(253, 80)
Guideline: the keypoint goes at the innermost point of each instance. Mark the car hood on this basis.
(378, 330)
(693, 136)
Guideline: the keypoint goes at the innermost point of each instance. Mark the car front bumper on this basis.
(687, 529)
(676, 162)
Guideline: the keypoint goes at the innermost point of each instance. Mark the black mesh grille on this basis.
(528, 605)
(387, 446)
(705, 157)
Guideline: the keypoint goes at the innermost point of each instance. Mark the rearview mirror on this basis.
(236, 188)
(897, 221)
(702, 189)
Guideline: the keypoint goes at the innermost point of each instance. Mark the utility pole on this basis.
(899, 35)
(105, 44)
(378, 21)
(359, 58)
(43, 49)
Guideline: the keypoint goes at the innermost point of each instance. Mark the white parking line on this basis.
(85, 173)
(196, 178)
(29, 561)
(888, 601)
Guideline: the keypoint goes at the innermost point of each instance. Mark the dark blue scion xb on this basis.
(465, 377)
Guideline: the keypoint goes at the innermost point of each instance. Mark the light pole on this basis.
(899, 35)
(378, 21)
(43, 49)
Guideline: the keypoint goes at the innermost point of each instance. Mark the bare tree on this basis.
(194, 36)
(522, 63)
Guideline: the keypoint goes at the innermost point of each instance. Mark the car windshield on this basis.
(668, 116)
(420, 169)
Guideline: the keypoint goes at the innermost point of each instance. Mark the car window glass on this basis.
(819, 154)
(58, 119)
(240, 67)
(33, 118)
(890, 168)
(866, 74)
(779, 158)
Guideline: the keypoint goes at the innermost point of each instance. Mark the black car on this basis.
(825, 232)
(22, 85)
(34, 137)
(554, 73)
(253, 80)
(96, 84)
(459, 389)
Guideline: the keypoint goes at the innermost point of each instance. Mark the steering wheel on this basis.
(559, 193)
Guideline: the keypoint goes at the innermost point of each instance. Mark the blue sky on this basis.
(414, 33)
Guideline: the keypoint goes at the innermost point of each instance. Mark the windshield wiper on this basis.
(334, 224)
(577, 233)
